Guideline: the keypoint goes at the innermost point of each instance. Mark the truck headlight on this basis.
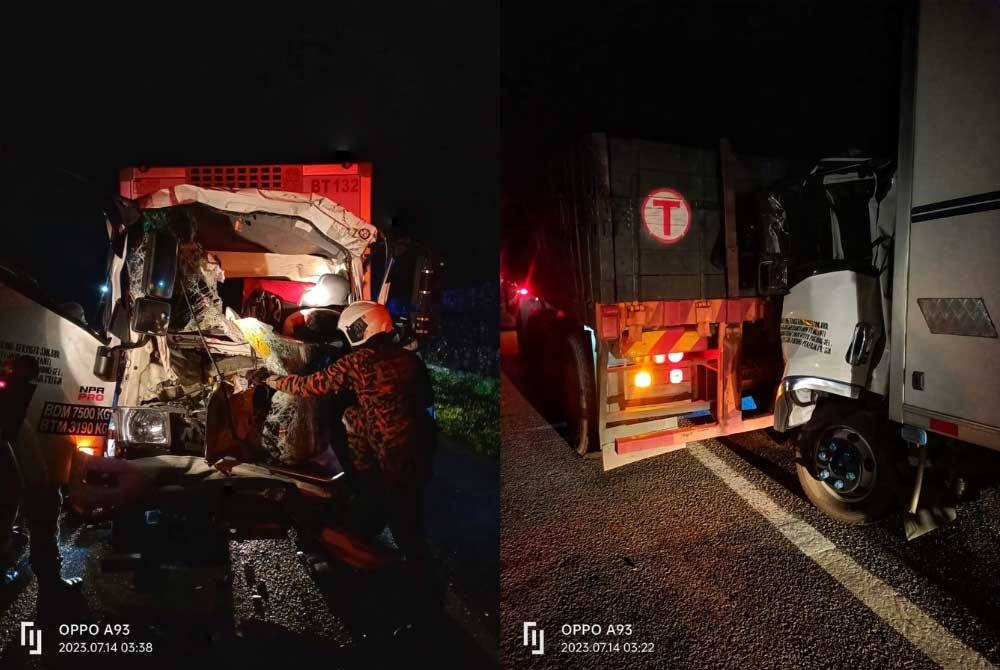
(136, 425)
(149, 428)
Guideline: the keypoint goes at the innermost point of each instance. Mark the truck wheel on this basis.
(846, 464)
(579, 399)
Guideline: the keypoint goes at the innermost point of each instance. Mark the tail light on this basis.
(675, 356)
(643, 379)
(676, 376)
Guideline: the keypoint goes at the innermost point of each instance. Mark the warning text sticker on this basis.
(805, 333)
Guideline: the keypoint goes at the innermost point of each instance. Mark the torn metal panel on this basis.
(262, 233)
(332, 220)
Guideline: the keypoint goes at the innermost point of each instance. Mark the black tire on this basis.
(882, 494)
(579, 400)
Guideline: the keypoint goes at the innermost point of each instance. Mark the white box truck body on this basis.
(889, 327)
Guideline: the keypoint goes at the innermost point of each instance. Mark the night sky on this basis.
(420, 93)
(413, 90)
(799, 78)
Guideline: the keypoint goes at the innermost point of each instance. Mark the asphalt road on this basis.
(705, 577)
(240, 602)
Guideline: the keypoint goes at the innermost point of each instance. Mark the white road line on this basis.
(909, 620)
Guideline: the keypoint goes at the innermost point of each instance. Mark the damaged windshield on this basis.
(244, 299)
(829, 220)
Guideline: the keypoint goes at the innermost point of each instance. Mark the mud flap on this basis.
(927, 519)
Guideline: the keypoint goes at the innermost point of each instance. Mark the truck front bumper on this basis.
(796, 399)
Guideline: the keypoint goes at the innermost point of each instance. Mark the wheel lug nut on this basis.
(823, 474)
(821, 456)
(851, 476)
(833, 446)
(838, 484)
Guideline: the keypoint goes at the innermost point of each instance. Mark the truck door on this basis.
(70, 408)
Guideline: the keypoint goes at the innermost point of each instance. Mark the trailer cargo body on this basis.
(637, 302)
(347, 184)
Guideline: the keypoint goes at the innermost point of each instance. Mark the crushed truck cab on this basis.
(203, 286)
(200, 290)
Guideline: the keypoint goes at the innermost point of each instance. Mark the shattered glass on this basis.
(200, 276)
(182, 375)
(292, 430)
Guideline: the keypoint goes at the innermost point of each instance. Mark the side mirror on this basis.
(106, 363)
(160, 271)
(150, 316)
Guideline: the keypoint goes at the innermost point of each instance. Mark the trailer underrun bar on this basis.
(709, 333)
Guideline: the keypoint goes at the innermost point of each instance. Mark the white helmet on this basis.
(362, 320)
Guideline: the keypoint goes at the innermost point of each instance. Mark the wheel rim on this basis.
(844, 463)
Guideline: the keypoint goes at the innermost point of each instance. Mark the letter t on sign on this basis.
(666, 206)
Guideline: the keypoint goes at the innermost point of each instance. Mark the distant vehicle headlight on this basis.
(145, 426)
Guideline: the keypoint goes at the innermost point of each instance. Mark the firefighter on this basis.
(388, 417)
(40, 479)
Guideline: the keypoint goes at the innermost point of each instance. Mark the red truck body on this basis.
(348, 184)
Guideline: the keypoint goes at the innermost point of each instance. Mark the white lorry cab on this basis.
(889, 324)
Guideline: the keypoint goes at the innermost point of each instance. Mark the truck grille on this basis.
(237, 176)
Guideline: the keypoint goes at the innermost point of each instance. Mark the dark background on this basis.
(796, 79)
(411, 89)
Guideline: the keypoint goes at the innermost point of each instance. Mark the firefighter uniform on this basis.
(390, 429)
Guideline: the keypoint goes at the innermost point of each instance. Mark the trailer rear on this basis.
(642, 309)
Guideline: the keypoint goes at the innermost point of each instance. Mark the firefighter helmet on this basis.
(362, 320)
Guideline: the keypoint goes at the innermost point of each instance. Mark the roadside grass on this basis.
(468, 408)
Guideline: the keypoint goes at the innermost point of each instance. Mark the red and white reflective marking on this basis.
(666, 215)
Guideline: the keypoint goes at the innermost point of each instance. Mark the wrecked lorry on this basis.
(891, 292)
(851, 309)
(204, 286)
(184, 391)
(176, 345)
